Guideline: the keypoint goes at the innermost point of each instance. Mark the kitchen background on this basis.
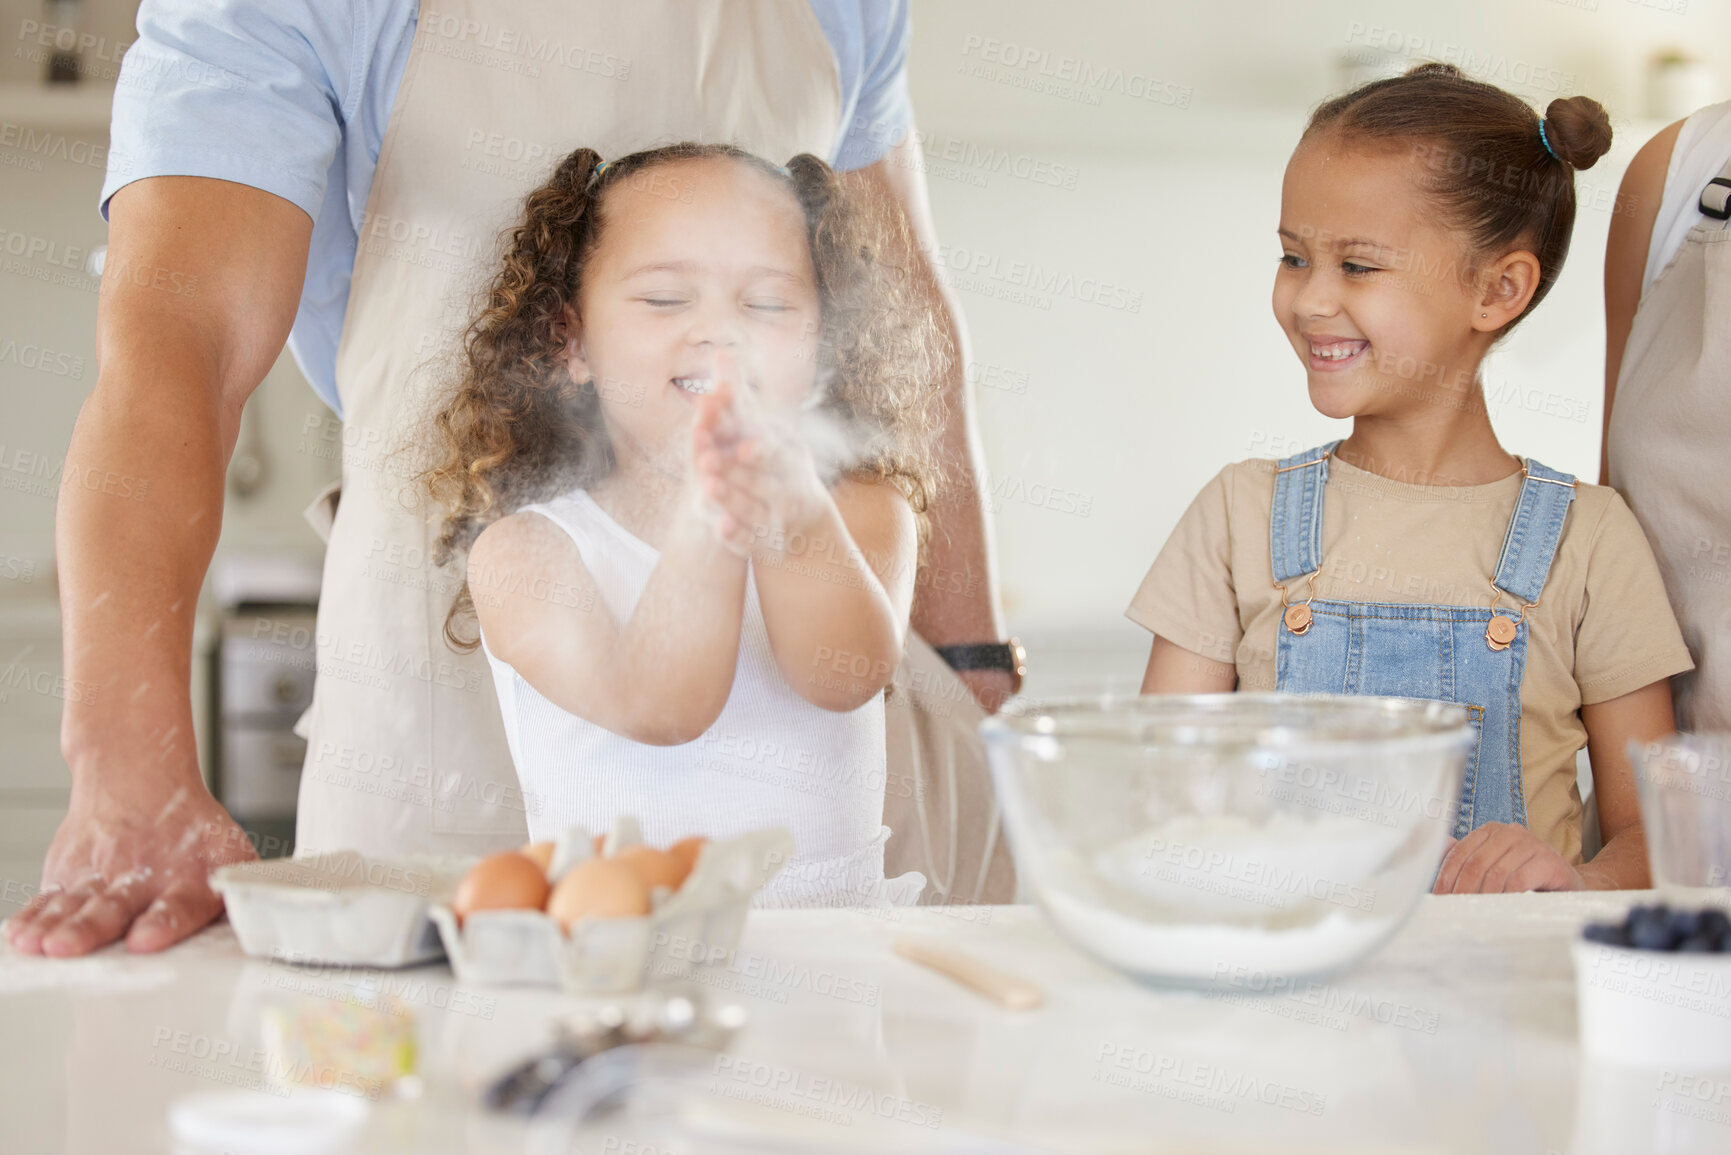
(1102, 411)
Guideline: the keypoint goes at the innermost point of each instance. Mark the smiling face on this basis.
(1374, 292)
(696, 257)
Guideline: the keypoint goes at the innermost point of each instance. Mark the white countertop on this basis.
(1458, 1036)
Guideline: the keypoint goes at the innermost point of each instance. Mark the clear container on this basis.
(1228, 839)
(1685, 787)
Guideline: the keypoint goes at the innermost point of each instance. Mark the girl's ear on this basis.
(1508, 284)
(569, 331)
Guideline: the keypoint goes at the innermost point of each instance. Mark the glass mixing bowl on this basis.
(1228, 840)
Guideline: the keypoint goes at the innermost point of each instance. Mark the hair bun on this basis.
(1436, 68)
(1579, 130)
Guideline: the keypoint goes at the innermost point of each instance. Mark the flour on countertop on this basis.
(24, 973)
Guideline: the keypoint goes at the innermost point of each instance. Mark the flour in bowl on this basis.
(1197, 897)
(1228, 866)
(1202, 953)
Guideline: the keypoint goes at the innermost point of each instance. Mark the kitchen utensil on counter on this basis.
(1205, 839)
(685, 1016)
(1008, 991)
(1685, 786)
(342, 907)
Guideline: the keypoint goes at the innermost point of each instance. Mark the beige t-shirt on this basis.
(1603, 627)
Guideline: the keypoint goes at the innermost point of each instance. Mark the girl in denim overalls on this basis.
(1421, 218)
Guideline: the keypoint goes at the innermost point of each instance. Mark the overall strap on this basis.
(1530, 545)
(1715, 199)
(1295, 527)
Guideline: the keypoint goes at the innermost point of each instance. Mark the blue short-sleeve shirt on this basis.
(293, 96)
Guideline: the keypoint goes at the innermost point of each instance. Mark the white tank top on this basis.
(770, 759)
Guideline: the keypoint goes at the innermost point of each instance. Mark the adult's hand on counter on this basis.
(133, 863)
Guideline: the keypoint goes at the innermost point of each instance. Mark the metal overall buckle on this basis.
(1297, 616)
(1500, 632)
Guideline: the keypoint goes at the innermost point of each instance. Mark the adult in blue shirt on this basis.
(245, 142)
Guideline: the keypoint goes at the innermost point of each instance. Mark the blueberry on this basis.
(1650, 929)
(1698, 944)
(1608, 933)
(1687, 923)
(1716, 922)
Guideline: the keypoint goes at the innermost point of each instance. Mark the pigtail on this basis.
(517, 426)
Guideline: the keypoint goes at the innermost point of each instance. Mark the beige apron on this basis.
(1670, 454)
(406, 750)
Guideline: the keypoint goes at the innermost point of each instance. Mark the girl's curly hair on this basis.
(517, 428)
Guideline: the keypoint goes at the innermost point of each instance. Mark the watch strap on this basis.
(1006, 656)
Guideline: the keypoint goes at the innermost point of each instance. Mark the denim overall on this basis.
(1444, 653)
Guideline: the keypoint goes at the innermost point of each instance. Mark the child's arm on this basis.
(1500, 857)
(660, 677)
(836, 596)
(1173, 669)
(1644, 715)
(834, 567)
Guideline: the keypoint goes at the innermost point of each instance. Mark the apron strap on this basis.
(1295, 528)
(1530, 545)
(1716, 197)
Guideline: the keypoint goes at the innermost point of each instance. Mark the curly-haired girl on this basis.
(692, 606)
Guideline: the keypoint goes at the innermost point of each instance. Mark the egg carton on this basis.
(339, 908)
(693, 927)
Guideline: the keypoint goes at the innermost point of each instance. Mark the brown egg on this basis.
(540, 852)
(598, 888)
(686, 850)
(506, 881)
(654, 867)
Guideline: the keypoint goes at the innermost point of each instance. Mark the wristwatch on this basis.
(1008, 656)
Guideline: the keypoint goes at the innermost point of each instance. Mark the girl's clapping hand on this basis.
(1502, 857)
(753, 468)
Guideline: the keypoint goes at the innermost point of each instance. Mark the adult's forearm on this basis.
(956, 600)
(139, 512)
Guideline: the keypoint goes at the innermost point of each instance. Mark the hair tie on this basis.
(1546, 141)
(782, 169)
(595, 174)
